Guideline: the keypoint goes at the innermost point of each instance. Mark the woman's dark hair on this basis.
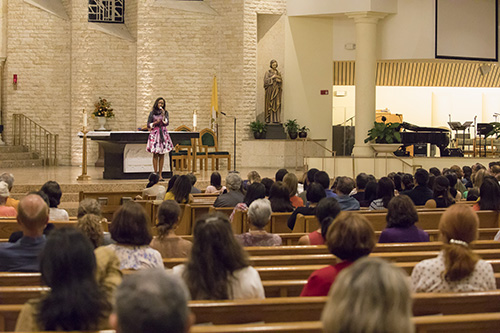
(327, 208)
(53, 191)
(280, 198)
(396, 178)
(370, 192)
(430, 182)
(442, 188)
(315, 192)
(385, 190)
(156, 108)
(489, 194)
(310, 178)
(268, 183)
(75, 301)
(435, 171)
(467, 171)
(216, 180)
(255, 191)
(452, 178)
(168, 217)
(408, 181)
(130, 225)
(401, 212)
(153, 179)
(215, 256)
(473, 194)
(182, 189)
(171, 182)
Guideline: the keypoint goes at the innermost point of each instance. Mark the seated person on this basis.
(309, 179)
(164, 304)
(153, 189)
(233, 195)
(215, 184)
(322, 178)
(349, 238)
(291, 183)
(5, 211)
(385, 192)
(53, 191)
(344, 186)
(255, 191)
(181, 191)
(259, 215)
(9, 179)
(315, 193)
(401, 218)
(193, 179)
(361, 181)
(490, 195)
(326, 211)
(442, 197)
(457, 268)
(371, 296)
(279, 196)
(167, 242)
(280, 174)
(420, 193)
(22, 256)
(91, 206)
(90, 226)
(252, 177)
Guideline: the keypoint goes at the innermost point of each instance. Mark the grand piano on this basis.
(415, 135)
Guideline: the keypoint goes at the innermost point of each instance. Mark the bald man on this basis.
(22, 256)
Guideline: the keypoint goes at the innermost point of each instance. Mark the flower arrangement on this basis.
(103, 109)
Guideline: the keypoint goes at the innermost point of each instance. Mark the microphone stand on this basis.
(234, 138)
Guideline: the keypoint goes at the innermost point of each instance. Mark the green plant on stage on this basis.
(291, 126)
(384, 132)
(258, 126)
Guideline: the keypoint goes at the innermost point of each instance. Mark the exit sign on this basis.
(323, 92)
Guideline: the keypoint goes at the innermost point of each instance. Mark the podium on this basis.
(457, 126)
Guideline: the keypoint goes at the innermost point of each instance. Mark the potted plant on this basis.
(259, 129)
(303, 132)
(385, 137)
(102, 111)
(292, 128)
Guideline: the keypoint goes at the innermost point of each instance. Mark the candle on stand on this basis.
(194, 120)
(84, 120)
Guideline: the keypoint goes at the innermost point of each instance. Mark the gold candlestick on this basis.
(84, 175)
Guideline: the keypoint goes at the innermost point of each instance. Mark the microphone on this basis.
(223, 113)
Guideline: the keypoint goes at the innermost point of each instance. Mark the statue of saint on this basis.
(272, 84)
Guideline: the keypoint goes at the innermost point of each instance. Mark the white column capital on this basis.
(366, 17)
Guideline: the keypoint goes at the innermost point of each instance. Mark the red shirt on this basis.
(320, 281)
(296, 201)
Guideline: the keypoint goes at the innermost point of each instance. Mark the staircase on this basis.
(18, 157)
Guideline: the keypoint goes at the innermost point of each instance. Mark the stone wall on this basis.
(64, 66)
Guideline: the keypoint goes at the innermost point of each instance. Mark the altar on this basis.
(125, 155)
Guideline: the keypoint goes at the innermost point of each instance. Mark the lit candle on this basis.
(194, 119)
(84, 119)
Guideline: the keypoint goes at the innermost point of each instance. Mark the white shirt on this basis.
(58, 214)
(245, 283)
(427, 276)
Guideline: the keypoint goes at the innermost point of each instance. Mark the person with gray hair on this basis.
(4, 194)
(259, 215)
(9, 179)
(151, 301)
(234, 195)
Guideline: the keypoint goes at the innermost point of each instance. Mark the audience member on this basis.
(467, 176)
(259, 215)
(459, 173)
(22, 256)
(344, 186)
(90, 226)
(478, 177)
(322, 178)
(370, 194)
(152, 301)
(91, 206)
(280, 198)
(255, 191)
(452, 178)
(326, 211)
(280, 174)
(291, 183)
(407, 182)
(473, 194)
(421, 193)
(215, 184)
(153, 189)
(397, 180)
(456, 268)
(361, 181)
(489, 195)
(5, 210)
(234, 194)
(401, 218)
(9, 179)
(76, 301)
(181, 191)
(171, 182)
(371, 296)
(53, 191)
(435, 171)
(315, 193)
(193, 180)
(218, 267)
(441, 197)
(131, 232)
(385, 192)
(268, 183)
(308, 181)
(167, 242)
(252, 177)
(349, 238)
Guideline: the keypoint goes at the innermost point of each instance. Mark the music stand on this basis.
(457, 126)
(483, 129)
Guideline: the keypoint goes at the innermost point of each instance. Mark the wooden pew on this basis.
(288, 238)
(7, 227)
(110, 200)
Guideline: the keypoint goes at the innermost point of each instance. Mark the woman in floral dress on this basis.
(159, 142)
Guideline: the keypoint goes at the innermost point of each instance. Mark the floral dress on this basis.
(159, 141)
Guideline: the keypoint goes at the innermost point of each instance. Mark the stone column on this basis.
(365, 76)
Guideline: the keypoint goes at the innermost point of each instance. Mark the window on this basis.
(106, 11)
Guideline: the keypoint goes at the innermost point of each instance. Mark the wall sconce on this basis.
(14, 81)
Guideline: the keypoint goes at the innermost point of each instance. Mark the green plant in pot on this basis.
(495, 130)
(303, 132)
(259, 129)
(292, 128)
(384, 132)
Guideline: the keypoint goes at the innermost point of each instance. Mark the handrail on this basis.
(36, 138)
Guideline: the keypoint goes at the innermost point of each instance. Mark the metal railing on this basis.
(37, 139)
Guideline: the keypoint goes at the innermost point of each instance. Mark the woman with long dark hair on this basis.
(280, 198)
(181, 191)
(215, 184)
(442, 196)
(255, 191)
(153, 188)
(489, 195)
(159, 142)
(218, 267)
(76, 302)
(385, 192)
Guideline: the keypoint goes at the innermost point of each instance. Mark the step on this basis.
(12, 149)
(16, 156)
(5, 164)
